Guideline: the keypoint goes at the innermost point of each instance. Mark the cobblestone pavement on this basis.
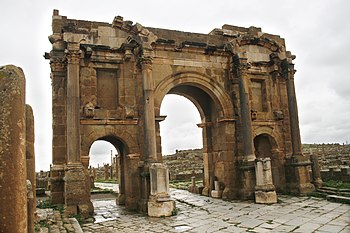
(202, 214)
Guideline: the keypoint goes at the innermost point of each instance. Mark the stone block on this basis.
(161, 209)
(216, 193)
(262, 197)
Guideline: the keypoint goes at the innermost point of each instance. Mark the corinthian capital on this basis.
(146, 62)
(73, 56)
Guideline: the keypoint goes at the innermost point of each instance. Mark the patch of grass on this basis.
(336, 184)
(44, 204)
(106, 181)
(175, 211)
(179, 184)
(79, 218)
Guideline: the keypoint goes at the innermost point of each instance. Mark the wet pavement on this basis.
(203, 214)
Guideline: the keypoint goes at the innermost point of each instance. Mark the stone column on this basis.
(264, 190)
(73, 104)
(59, 150)
(316, 172)
(13, 198)
(297, 173)
(247, 162)
(208, 176)
(149, 117)
(30, 164)
(77, 178)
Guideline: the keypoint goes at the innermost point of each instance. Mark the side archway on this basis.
(266, 147)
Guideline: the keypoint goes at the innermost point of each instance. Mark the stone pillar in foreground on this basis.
(247, 162)
(297, 172)
(13, 198)
(160, 203)
(264, 190)
(77, 178)
(30, 164)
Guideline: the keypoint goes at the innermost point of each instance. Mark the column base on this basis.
(77, 191)
(318, 183)
(160, 207)
(263, 197)
(205, 191)
(247, 169)
(298, 176)
(216, 193)
(229, 194)
(120, 199)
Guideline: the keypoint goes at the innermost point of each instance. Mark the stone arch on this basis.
(198, 80)
(217, 113)
(113, 134)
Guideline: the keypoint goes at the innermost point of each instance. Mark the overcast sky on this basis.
(316, 31)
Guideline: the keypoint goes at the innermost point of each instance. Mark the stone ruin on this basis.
(17, 160)
(108, 83)
(184, 164)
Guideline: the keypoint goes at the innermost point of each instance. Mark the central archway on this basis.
(217, 123)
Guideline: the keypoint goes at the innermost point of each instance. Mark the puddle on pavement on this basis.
(182, 228)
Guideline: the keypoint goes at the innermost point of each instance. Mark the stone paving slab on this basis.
(202, 214)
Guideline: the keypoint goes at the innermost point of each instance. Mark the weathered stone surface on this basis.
(13, 199)
(110, 82)
(160, 209)
(30, 166)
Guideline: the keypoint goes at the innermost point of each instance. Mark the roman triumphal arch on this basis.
(108, 83)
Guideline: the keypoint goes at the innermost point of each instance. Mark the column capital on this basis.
(58, 64)
(73, 56)
(146, 62)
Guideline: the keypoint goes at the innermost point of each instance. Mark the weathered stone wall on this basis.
(184, 164)
(115, 76)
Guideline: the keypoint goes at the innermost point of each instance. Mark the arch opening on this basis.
(217, 135)
(265, 147)
(108, 152)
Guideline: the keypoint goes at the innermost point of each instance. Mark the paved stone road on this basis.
(202, 214)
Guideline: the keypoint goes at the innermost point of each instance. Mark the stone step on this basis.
(337, 198)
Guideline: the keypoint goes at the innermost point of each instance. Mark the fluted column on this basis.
(149, 121)
(73, 104)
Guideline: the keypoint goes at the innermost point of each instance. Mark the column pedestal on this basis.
(297, 175)
(159, 203)
(77, 191)
(247, 170)
(264, 190)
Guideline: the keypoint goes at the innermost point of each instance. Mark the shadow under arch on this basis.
(266, 147)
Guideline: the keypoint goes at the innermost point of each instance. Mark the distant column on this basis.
(13, 198)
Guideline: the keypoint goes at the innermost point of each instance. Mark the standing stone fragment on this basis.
(13, 198)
